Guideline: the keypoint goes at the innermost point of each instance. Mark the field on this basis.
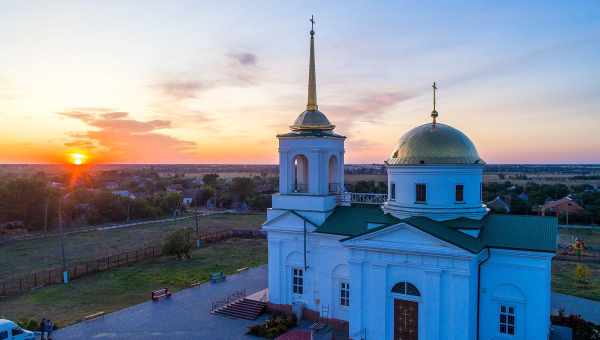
(126, 286)
(25, 256)
(563, 280)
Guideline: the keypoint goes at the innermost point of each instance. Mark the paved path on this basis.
(184, 316)
(588, 309)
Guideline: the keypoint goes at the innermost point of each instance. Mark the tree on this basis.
(582, 274)
(179, 243)
(210, 179)
(243, 188)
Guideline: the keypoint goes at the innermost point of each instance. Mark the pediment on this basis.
(290, 221)
(402, 237)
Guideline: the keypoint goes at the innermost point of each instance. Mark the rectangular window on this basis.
(393, 191)
(298, 281)
(345, 294)
(460, 193)
(421, 193)
(507, 320)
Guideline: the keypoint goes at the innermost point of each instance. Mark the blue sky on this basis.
(192, 81)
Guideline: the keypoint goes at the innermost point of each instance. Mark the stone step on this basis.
(243, 309)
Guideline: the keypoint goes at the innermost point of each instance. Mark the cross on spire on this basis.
(312, 81)
(434, 113)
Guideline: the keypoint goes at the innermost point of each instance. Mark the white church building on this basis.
(425, 261)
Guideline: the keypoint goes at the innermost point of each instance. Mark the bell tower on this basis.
(311, 158)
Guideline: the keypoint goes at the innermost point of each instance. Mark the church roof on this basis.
(518, 232)
(434, 143)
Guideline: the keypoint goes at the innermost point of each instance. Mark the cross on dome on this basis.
(434, 113)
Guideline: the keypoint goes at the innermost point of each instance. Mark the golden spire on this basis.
(434, 113)
(312, 80)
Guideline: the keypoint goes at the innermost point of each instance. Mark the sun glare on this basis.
(77, 158)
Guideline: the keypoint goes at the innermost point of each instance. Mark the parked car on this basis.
(11, 331)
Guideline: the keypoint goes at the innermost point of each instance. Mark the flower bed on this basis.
(278, 324)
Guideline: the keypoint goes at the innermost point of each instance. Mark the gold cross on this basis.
(434, 90)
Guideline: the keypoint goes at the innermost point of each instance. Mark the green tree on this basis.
(243, 188)
(179, 243)
(210, 180)
(582, 274)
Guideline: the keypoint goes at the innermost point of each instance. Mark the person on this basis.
(50, 328)
(43, 326)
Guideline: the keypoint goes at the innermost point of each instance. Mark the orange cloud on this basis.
(117, 138)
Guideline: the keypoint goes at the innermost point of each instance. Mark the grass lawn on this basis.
(122, 287)
(563, 280)
(22, 257)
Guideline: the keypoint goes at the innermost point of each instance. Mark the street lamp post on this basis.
(62, 240)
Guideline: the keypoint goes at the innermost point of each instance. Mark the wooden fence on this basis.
(39, 279)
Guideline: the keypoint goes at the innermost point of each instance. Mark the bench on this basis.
(160, 293)
(217, 277)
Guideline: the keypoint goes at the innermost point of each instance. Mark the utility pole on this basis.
(196, 219)
(62, 240)
(46, 215)
(128, 209)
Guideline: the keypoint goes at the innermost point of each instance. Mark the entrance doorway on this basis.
(406, 320)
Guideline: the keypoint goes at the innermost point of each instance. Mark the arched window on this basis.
(300, 164)
(405, 288)
(334, 183)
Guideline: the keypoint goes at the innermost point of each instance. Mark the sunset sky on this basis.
(215, 81)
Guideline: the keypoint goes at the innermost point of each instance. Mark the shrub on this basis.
(278, 324)
(582, 273)
(30, 325)
(582, 330)
(179, 243)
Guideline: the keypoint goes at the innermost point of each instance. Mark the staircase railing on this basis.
(348, 198)
(231, 298)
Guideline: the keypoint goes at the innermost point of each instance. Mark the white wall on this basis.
(441, 181)
(522, 279)
(325, 254)
(446, 301)
(318, 151)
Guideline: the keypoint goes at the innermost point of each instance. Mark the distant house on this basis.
(565, 205)
(111, 185)
(498, 205)
(178, 188)
(188, 196)
(123, 193)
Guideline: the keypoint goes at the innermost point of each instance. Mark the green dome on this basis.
(312, 120)
(434, 144)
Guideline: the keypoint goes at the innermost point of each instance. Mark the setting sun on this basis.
(77, 158)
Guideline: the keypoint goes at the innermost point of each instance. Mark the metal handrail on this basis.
(362, 198)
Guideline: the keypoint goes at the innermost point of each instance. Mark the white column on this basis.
(313, 172)
(356, 298)
(275, 270)
(284, 180)
(341, 170)
(431, 321)
(376, 305)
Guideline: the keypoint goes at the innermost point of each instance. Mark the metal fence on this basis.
(23, 283)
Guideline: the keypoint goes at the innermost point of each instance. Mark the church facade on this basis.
(425, 261)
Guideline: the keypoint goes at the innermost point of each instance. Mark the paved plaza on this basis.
(184, 316)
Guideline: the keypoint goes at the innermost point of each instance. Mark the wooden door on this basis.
(406, 320)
